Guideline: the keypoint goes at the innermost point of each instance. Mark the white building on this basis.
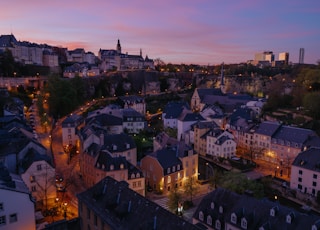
(185, 121)
(305, 172)
(16, 204)
(69, 130)
(221, 144)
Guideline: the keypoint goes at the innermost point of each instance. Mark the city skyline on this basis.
(195, 32)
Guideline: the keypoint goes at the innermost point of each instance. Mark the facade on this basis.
(112, 205)
(199, 131)
(111, 123)
(185, 121)
(163, 169)
(284, 56)
(172, 112)
(223, 209)
(305, 172)
(133, 121)
(220, 143)
(14, 195)
(70, 126)
(39, 176)
(96, 164)
(135, 102)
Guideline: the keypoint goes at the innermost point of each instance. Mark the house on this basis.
(305, 172)
(133, 121)
(199, 95)
(96, 164)
(14, 107)
(16, 203)
(111, 123)
(185, 153)
(223, 209)
(171, 113)
(132, 101)
(110, 204)
(70, 127)
(214, 113)
(185, 121)
(163, 169)
(220, 143)
(39, 176)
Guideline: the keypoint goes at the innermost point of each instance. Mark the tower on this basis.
(301, 56)
(118, 47)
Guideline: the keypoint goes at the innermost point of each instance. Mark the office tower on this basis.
(284, 56)
(264, 56)
(301, 56)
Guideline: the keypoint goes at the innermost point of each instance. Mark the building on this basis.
(39, 176)
(133, 121)
(70, 127)
(301, 56)
(265, 58)
(16, 203)
(112, 205)
(305, 172)
(163, 169)
(284, 56)
(223, 209)
(185, 122)
(132, 101)
(111, 123)
(172, 112)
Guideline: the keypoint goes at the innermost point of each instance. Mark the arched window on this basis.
(209, 220)
(201, 215)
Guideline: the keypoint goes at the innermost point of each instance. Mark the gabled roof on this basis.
(118, 142)
(122, 208)
(33, 156)
(167, 157)
(13, 182)
(174, 109)
(309, 159)
(105, 160)
(103, 119)
(212, 91)
(256, 212)
(72, 120)
(268, 128)
(293, 134)
(8, 40)
(191, 117)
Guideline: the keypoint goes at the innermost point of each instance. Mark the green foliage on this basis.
(173, 199)
(239, 183)
(191, 187)
(312, 105)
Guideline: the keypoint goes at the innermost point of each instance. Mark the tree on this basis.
(311, 104)
(191, 187)
(173, 199)
(239, 183)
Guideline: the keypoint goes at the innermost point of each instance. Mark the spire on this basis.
(118, 47)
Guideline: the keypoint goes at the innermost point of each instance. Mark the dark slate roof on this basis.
(105, 120)
(33, 156)
(205, 125)
(244, 113)
(11, 182)
(174, 109)
(256, 212)
(268, 128)
(105, 160)
(89, 129)
(293, 134)
(167, 157)
(8, 40)
(129, 112)
(203, 92)
(130, 99)
(118, 142)
(309, 159)
(73, 120)
(122, 208)
(191, 117)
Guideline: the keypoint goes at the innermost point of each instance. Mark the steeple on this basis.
(118, 47)
(140, 52)
(222, 85)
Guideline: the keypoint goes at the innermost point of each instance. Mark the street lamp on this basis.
(65, 204)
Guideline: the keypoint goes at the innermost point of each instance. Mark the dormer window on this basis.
(233, 218)
(133, 176)
(244, 223)
(218, 225)
(98, 165)
(121, 166)
(290, 217)
(201, 215)
(209, 220)
(178, 167)
(138, 175)
(173, 168)
(212, 205)
(273, 211)
(111, 167)
(168, 170)
(103, 166)
(220, 209)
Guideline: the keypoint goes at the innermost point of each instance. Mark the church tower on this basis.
(118, 47)
(222, 85)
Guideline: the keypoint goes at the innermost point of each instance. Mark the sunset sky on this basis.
(176, 31)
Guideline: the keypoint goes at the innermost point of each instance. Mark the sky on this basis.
(204, 32)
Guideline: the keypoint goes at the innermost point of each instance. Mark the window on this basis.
(212, 205)
(209, 220)
(39, 167)
(139, 183)
(300, 179)
(233, 218)
(201, 216)
(173, 168)
(315, 176)
(244, 223)
(300, 172)
(178, 167)
(32, 179)
(134, 184)
(2, 220)
(168, 170)
(1, 207)
(300, 186)
(13, 218)
(169, 179)
(33, 188)
(220, 209)
(314, 184)
(218, 225)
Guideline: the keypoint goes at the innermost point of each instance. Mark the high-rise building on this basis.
(284, 56)
(301, 56)
(264, 56)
